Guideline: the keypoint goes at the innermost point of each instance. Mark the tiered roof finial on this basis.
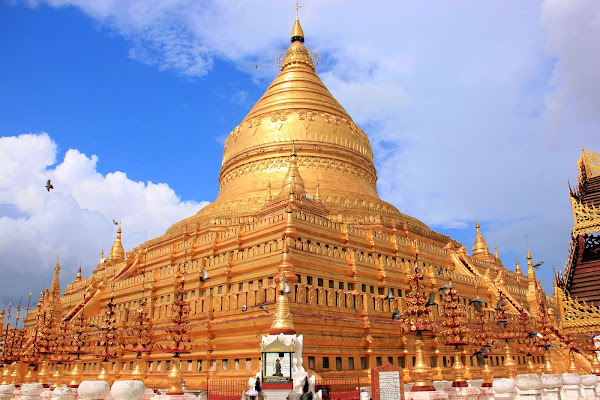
(55, 286)
(518, 267)
(480, 248)
(117, 253)
(297, 33)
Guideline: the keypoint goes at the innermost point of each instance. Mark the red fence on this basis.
(226, 389)
(341, 388)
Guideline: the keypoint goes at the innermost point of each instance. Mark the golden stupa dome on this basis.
(480, 248)
(298, 113)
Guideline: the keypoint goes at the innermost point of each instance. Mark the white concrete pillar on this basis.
(552, 384)
(128, 390)
(6, 391)
(504, 388)
(529, 387)
(62, 393)
(588, 387)
(93, 390)
(571, 387)
(31, 391)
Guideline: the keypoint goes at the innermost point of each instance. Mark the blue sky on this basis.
(473, 109)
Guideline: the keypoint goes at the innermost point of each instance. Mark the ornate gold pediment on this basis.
(577, 317)
(586, 218)
(591, 161)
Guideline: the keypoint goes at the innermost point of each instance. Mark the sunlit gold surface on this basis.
(548, 366)
(175, 378)
(573, 368)
(340, 249)
(509, 363)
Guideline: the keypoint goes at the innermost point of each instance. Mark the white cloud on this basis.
(76, 217)
(573, 29)
(473, 108)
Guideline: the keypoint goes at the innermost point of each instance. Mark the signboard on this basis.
(387, 383)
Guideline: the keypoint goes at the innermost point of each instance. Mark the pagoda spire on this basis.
(317, 194)
(518, 267)
(55, 286)
(297, 32)
(293, 184)
(78, 277)
(480, 248)
(532, 288)
(117, 253)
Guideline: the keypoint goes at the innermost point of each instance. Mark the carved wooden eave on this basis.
(586, 218)
(575, 316)
(591, 163)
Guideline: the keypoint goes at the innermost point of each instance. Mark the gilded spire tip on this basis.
(297, 33)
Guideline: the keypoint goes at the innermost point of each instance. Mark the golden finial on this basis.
(282, 318)
(480, 248)
(518, 267)
(297, 33)
(317, 194)
(78, 277)
(528, 253)
(55, 286)
(496, 251)
(269, 195)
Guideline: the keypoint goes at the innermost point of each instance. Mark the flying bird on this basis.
(445, 287)
(477, 303)
(286, 288)
(49, 185)
(257, 65)
(536, 266)
(94, 326)
(115, 222)
(389, 296)
(431, 301)
(245, 308)
(533, 334)
(489, 346)
(499, 306)
(264, 307)
(502, 323)
(204, 277)
(396, 314)
(549, 345)
(481, 354)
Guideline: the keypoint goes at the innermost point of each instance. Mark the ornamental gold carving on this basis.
(591, 161)
(586, 218)
(260, 166)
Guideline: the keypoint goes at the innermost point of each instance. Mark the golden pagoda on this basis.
(297, 206)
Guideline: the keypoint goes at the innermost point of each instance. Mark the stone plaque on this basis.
(387, 383)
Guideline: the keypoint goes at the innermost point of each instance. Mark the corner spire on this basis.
(117, 253)
(532, 287)
(78, 277)
(480, 248)
(297, 33)
(293, 184)
(55, 286)
(518, 267)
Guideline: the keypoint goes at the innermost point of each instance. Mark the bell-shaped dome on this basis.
(297, 112)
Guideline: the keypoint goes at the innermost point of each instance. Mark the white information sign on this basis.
(389, 385)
